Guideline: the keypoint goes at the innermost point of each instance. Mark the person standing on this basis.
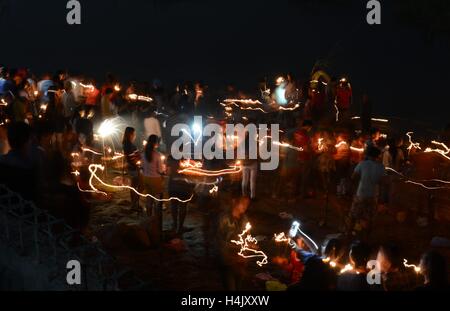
(249, 170)
(44, 85)
(178, 188)
(92, 97)
(343, 99)
(152, 170)
(152, 125)
(132, 157)
(69, 103)
(106, 104)
(305, 157)
(343, 160)
(370, 173)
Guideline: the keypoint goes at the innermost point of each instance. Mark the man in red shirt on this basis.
(305, 157)
(317, 98)
(92, 96)
(343, 99)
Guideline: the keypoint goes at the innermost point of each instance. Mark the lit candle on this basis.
(163, 163)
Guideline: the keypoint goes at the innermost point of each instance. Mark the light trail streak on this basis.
(244, 244)
(214, 189)
(282, 238)
(91, 151)
(135, 97)
(281, 108)
(373, 119)
(411, 143)
(281, 144)
(408, 181)
(342, 143)
(90, 191)
(196, 170)
(438, 181)
(93, 170)
(361, 150)
(295, 228)
(424, 186)
(286, 145)
(416, 268)
(76, 173)
(444, 153)
(337, 112)
(203, 183)
(253, 109)
(243, 101)
(227, 103)
(306, 236)
(320, 145)
(86, 86)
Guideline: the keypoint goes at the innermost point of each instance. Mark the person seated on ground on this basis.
(231, 224)
(332, 252)
(355, 279)
(67, 201)
(18, 168)
(317, 273)
(433, 267)
(44, 151)
(394, 275)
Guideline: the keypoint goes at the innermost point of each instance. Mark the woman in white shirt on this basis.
(152, 125)
(152, 171)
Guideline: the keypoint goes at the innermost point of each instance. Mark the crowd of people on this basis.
(326, 269)
(46, 123)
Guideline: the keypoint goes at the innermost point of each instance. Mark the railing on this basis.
(50, 243)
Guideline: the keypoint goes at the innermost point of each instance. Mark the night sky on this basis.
(218, 42)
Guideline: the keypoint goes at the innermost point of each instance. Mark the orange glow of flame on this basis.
(347, 267)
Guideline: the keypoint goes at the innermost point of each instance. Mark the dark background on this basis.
(403, 63)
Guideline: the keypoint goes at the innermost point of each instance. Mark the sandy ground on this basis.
(193, 267)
